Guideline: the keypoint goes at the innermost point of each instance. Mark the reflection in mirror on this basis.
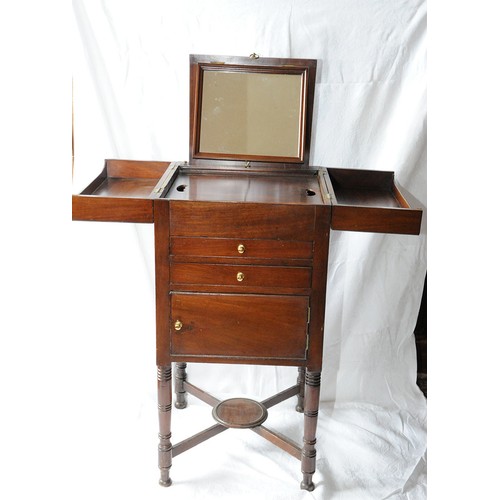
(245, 113)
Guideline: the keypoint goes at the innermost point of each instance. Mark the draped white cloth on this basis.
(131, 81)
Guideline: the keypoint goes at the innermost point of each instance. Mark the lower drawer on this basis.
(239, 325)
(240, 275)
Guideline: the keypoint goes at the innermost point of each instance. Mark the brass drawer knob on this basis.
(241, 248)
(240, 276)
(178, 325)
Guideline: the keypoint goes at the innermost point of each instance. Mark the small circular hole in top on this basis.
(182, 187)
(310, 192)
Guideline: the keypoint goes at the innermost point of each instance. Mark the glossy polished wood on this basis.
(251, 249)
(241, 275)
(242, 220)
(265, 328)
(367, 200)
(120, 193)
(241, 257)
(240, 413)
(257, 261)
(241, 187)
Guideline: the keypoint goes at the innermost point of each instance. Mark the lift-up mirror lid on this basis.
(251, 110)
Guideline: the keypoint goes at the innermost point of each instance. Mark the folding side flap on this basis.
(370, 201)
(123, 192)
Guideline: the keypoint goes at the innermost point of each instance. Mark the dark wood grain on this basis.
(243, 187)
(136, 168)
(370, 201)
(270, 220)
(241, 275)
(376, 220)
(311, 412)
(165, 421)
(162, 234)
(318, 289)
(240, 325)
(251, 249)
(120, 192)
(246, 220)
(102, 209)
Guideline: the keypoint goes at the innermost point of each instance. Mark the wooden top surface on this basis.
(281, 188)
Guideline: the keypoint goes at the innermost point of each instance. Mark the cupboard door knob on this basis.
(178, 325)
(241, 248)
(240, 276)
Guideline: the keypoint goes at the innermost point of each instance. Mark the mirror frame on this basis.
(201, 63)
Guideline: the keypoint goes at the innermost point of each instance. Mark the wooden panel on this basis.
(376, 220)
(249, 220)
(222, 274)
(248, 326)
(96, 208)
(318, 291)
(136, 169)
(161, 217)
(301, 188)
(113, 187)
(230, 247)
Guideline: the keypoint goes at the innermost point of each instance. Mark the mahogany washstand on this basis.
(241, 240)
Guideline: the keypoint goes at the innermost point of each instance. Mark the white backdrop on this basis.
(131, 83)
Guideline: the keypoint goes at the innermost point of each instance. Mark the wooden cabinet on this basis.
(241, 245)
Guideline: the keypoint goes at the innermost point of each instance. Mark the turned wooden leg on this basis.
(165, 417)
(180, 391)
(301, 379)
(311, 397)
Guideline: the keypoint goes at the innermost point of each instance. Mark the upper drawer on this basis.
(242, 220)
(241, 248)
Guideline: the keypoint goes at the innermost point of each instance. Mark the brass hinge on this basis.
(307, 344)
(308, 315)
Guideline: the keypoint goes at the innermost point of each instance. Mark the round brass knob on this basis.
(240, 276)
(178, 325)
(241, 248)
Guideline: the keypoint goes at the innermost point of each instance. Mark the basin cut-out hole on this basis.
(182, 187)
(310, 192)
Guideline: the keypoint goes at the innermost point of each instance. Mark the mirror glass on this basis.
(248, 114)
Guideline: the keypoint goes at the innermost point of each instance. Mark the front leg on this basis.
(165, 418)
(311, 408)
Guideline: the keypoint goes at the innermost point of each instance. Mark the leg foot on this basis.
(307, 485)
(165, 483)
(180, 392)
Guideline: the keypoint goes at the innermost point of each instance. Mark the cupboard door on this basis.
(239, 325)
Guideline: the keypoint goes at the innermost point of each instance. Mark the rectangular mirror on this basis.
(251, 110)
